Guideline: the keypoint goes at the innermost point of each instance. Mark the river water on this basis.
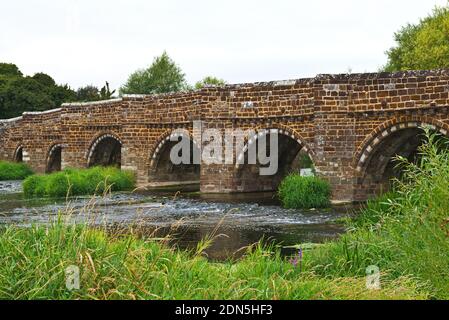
(235, 221)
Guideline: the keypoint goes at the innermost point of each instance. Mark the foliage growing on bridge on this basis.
(71, 182)
(422, 46)
(304, 192)
(161, 77)
(14, 171)
(404, 233)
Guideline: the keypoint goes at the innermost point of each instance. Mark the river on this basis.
(236, 221)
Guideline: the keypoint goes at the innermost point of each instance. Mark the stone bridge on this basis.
(350, 125)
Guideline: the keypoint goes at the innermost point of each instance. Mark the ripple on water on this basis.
(243, 223)
(8, 187)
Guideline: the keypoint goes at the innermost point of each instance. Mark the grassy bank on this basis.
(112, 267)
(72, 182)
(403, 233)
(14, 171)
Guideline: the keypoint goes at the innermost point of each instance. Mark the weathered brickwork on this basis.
(350, 125)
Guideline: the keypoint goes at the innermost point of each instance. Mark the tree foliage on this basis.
(9, 69)
(39, 92)
(105, 92)
(92, 93)
(87, 93)
(422, 46)
(210, 81)
(20, 93)
(162, 76)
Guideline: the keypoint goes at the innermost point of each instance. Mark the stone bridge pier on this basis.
(350, 126)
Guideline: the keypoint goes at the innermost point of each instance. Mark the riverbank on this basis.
(117, 266)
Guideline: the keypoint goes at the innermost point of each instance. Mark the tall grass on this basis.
(403, 233)
(34, 261)
(14, 171)
(304, 192)
(72, 182)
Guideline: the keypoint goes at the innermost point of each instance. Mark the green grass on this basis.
(403, 233)
(14, 171)
(304, 192)
(34, 261)
(71, 182)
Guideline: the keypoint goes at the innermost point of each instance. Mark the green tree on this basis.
(106, 93)
(91, 93)
(24, 94)
(44, 79)
(88, 93)
(63, 93)
(9, 70)
(162, 76)
(209, 81)
(422, 46)
(37, 93)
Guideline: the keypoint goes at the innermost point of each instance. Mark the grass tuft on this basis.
(71, 182)
(14, 171)
(304, 192)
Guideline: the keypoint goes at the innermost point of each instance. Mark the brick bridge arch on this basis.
(374, 159)
(279, 129)
(53, 160)
(105, 149)
(19, 153)
(290, 143)
(162, 170)
(349, 125)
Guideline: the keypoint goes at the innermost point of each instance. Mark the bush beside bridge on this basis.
(72, 182)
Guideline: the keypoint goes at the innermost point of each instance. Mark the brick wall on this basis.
(349, 124)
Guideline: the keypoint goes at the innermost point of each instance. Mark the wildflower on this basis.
(297, 260)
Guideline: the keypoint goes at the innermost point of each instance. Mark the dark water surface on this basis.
(236, 220)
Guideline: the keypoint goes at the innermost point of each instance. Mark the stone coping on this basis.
(330, 78)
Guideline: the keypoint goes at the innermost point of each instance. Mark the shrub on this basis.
(14, 171)
(304, 192)
(71, 182)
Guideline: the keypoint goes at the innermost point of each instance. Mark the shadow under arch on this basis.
(54, 158)
(105, 150)
(163, 171)
(291, 147)
(18, 153)
(375, 163)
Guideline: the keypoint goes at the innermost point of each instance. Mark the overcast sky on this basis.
(82, 42)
